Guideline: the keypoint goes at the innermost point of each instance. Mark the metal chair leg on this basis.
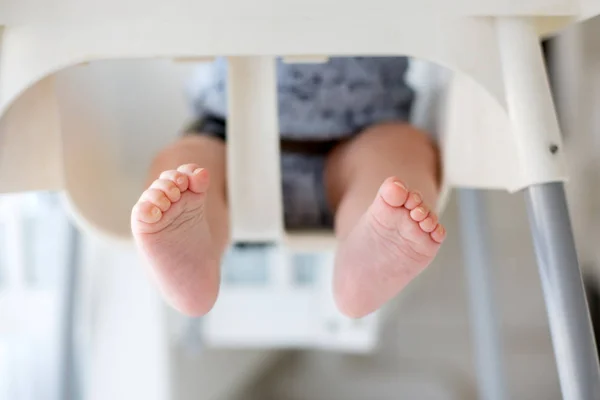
(562, 284)
(484, 317)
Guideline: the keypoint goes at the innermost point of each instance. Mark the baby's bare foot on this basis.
(169, 226)
(393, 242)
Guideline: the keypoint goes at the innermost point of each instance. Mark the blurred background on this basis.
(80, 320)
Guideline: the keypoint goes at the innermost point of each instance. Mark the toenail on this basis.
(420, 210)
(198, 170)
(399, 184)
(174, 191)
(155, 211)
(180, 180)
(417, 197)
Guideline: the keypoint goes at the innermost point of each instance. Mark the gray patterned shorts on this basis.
(305, 204)
(318, 103)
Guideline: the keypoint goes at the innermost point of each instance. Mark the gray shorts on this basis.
(322, 103)
(304, 199)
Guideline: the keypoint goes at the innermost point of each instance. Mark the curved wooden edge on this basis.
(26, 58)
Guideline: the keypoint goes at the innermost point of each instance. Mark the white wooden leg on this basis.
(253, 161)
(529, 103)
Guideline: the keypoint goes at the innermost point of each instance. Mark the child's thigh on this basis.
(381, 151)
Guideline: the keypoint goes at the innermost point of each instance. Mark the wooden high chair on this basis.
(500, 129)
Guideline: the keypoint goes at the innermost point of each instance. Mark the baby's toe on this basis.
(430, 223)
(439, 234)
(188, 169)
(414, 200)
(179, 178)
(168, 187)
(197, 176)
(147, 212)
(419, 214)
(393, 192)
(158, 198)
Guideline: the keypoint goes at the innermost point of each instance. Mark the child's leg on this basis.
(388, 234)
(181, 226)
